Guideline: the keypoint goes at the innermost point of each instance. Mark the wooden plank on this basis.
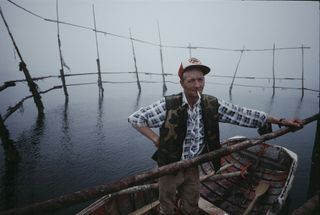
(209, 208)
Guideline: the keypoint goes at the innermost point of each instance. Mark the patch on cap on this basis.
(194, 61)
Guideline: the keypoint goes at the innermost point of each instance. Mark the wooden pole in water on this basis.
(316, 146)
(273, 71)
(161, 60)
(23, 67)
(135, 62)
(190, 54)
(314, 174)
(235, 72)
(302, 70)
(63, 80)
(101, 190)
(98, 57)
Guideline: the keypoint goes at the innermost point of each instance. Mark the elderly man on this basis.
(189, 126)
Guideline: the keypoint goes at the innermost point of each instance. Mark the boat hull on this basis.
(271, 164)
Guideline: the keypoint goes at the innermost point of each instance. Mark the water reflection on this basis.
(10, 151)
(99, 125)
(28, 145)
(269, 110)
(100, 108)
(9, 181)
(298, 108)
(65, 138)
(12, 159)
(36, 131)
(100, 131)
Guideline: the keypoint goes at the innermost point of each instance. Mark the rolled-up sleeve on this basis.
(242, 116)
(151, 116)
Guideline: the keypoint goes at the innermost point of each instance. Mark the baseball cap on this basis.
(192, 63)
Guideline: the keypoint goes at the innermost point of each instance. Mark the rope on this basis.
(167, 81)
(148, 42)
(28, 11)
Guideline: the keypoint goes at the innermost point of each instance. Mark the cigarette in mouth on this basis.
(199, 95)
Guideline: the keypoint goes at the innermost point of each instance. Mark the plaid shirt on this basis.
(153, 116)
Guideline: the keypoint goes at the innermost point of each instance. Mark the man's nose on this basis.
(197, 83)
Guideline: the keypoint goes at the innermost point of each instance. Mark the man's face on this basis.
(192, 82)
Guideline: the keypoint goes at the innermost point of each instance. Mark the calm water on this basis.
(88, 141)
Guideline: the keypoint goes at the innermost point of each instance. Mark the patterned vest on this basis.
(173, 130)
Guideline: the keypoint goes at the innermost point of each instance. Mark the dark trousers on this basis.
(186, 183)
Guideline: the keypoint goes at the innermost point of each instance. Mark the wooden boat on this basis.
(266, 163)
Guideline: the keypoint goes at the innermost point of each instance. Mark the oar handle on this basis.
(250, 207)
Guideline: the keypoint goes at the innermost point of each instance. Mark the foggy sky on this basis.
(220, 24)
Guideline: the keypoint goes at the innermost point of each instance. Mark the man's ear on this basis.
(181, 82)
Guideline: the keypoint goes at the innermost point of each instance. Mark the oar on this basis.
(260, 190)
(139, 188)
